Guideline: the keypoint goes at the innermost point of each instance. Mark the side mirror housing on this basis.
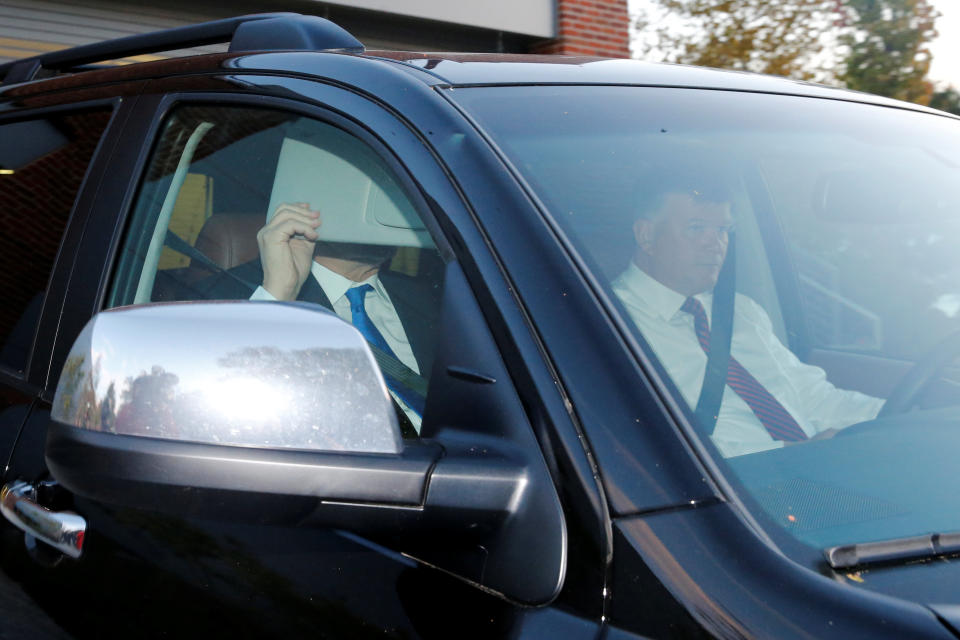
(286, 376)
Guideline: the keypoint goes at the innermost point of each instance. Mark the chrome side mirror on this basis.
(271, 375)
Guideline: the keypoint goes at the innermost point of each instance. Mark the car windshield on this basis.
(837, 224)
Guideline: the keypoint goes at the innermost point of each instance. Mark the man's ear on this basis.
(643, 233)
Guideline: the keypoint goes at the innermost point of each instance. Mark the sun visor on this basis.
(349, 185)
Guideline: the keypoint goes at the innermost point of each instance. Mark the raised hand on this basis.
(286, 249)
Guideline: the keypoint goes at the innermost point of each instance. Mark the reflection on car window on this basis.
(42, 165)
(264, 205)
(824, 231)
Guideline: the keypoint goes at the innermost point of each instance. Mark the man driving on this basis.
(771, 398)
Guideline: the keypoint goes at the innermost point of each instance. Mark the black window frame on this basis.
(58, 279)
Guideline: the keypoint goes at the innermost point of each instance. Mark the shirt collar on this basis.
(656, 298)
(335, 286)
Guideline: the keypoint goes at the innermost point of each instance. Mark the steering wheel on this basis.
(915, 381)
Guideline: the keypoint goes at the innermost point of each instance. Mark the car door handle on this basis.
(62, 530)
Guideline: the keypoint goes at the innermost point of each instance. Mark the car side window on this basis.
(42, 165)
(336, 228)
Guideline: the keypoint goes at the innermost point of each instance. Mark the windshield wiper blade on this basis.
(896, 550)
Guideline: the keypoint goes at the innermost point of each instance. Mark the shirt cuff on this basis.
(262, 294)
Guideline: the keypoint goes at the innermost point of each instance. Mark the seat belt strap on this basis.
(399, 371)
(721, 334)
(180, 245)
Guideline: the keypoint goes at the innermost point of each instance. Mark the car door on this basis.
(219, 159)
(56, 160)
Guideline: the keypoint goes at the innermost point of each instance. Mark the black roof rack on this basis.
(257, 32)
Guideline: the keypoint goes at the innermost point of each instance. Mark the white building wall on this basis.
(527, 17)
(32, 27)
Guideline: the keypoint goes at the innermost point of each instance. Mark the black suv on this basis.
(303, 340)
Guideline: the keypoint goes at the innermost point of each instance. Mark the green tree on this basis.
(783, 38)
(888, 53)
(946, 100)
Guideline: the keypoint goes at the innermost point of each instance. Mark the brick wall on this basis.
(590, 28)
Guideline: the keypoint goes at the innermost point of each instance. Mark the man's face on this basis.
(686, 245)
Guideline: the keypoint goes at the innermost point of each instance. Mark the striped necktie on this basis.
(361, 320)
(777, 420)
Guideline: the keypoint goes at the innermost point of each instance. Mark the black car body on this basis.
(559, 486)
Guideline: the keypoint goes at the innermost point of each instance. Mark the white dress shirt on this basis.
(378, 306)
(802, 389)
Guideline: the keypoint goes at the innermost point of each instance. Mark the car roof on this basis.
(263, 42)
(466, 70)
(480, 69)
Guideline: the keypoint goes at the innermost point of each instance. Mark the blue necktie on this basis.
(368, 330)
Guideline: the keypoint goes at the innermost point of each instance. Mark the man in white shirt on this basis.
(295, 265)
(682, 234)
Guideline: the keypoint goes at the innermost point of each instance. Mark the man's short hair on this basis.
(655, 184)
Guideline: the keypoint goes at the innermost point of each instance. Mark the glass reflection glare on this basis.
(239, 399)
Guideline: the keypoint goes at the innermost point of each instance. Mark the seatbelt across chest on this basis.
(721, 334)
